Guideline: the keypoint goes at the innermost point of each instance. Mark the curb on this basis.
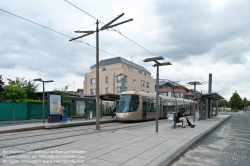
(23, 129)
(181, 151)
(75, 124)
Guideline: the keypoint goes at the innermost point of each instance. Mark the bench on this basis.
(177, 120)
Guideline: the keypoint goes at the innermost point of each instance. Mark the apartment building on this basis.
(117, 72)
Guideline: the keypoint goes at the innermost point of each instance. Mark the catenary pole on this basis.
(97, 78)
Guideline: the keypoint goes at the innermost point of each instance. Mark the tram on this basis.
(141, 106)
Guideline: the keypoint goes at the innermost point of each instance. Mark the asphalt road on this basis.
(227, 145)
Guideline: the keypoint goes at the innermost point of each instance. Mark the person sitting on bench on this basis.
(182, 118)
(189, 123)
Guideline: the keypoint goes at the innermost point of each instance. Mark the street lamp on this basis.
(157, 64)
(39, 79)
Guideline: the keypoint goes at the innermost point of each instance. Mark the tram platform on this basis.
(28, 125)
(133, 146)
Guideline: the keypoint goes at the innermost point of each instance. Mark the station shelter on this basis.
(107, 98)
(205, 105)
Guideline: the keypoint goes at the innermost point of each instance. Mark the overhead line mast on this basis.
(106, 26)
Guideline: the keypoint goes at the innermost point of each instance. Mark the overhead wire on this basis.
(86, 43)
(35, 23)
(55, 31)
(125, 37)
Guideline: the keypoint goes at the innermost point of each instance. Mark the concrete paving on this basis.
(132, 146)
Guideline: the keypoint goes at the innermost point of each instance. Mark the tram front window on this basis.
(128, 103)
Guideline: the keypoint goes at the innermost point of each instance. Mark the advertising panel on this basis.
(55, 104)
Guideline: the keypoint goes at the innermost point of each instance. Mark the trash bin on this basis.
(170, 116)
(197, 114)
(90, 114)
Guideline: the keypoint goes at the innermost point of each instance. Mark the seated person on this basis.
(189, 123)
(182, 118)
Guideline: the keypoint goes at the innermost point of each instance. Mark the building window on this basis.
(166, 86)
(145, 74)
(118, 89)
(176, 95)
(120, 77)
(142, 90)
(93, 81)
(134, 81)
(142, 83)
(125, 78)
(102, 69)
(129, 68)
(163, 93)
(107, 79)
(140, 72)
(107, 90)
(92, 91)
(147, 91)
(147, 84)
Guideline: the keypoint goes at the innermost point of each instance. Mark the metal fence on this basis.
(25, 111)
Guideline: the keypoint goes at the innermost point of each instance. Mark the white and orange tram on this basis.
(140, 106)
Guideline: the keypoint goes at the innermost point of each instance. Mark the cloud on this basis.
(197, 37)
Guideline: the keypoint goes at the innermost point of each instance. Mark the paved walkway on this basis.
(136, 146)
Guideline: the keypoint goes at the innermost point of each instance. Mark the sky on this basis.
(197, 37)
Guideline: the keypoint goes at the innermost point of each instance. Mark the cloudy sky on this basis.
(197, 37)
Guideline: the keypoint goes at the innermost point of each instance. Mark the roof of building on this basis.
(162, 82)
(119, 60)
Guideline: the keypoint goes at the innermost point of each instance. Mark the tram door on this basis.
(144, 109)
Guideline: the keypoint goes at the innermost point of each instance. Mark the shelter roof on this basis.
(213, 96)
(109, 97)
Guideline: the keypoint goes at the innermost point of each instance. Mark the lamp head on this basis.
(38, 79)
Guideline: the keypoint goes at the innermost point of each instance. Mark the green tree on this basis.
(29, 86)
(14, 93)
(245, 102)
(64, 92)
(1, 84)
(235, 101)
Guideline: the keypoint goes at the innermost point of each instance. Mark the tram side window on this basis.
(179, 104)
(187, 106)
(134, 103)
(171, 106)
(151, 105)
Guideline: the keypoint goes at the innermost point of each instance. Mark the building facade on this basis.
(118, 74)
(173, 89)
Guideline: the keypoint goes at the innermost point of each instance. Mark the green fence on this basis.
(92, 107)
(25, 111)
